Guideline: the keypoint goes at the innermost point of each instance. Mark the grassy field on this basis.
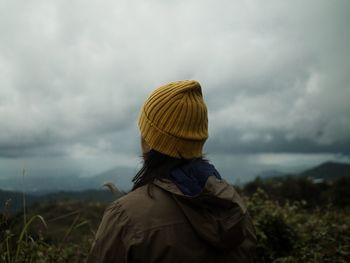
(63, 231)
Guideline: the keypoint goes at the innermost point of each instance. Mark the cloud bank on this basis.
(73, 76)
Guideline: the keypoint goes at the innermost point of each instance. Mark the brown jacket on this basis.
(212, 226)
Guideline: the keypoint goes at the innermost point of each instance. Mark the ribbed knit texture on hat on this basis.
(174, 120)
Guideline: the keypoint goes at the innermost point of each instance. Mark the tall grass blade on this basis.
(24, 199)
(8, 250)
(24, 231)
(113, 188)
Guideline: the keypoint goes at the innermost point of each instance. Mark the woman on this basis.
(180, 209)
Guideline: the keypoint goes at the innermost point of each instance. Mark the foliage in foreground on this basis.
(291, 233)
(63, 234)
(286, 233)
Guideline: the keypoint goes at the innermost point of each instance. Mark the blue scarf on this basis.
(192, 177)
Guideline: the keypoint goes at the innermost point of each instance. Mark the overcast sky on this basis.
(73, 75)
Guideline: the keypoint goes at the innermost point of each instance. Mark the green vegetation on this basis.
(293, 233)
(60, 231)
(16, 198)
(296, 221)
(300, 219)
(313, 193)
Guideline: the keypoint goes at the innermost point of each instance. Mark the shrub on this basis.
(291, 233)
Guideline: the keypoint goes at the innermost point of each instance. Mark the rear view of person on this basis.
(180, 209)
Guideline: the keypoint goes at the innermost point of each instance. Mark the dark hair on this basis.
(156, 166)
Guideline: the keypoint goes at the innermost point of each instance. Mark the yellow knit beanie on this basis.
(174, 120)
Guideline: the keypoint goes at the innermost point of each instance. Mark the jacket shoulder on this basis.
(110, 236)
(148, 208)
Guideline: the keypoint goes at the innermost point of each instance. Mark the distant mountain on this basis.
(325, 171)
(41, 185)
(121, 176)
(270, 173)
(13, 201)
(328, 170)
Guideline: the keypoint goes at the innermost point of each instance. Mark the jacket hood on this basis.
(211, 205)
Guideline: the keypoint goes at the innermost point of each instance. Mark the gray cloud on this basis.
(74, 75)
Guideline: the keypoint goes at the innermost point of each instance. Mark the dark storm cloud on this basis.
(73, 75)
(270, 142)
